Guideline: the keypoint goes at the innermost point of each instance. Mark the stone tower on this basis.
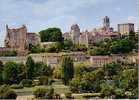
(75, 33)
(106, 22)
(16, 38)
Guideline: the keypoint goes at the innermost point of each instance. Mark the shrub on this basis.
(10, 95)
(57, 73)
(43, 80)
(68, 95)
(16, 86)
(6, 93)
(36, 82)
(26, 83)
(40, 92)
(44, 93)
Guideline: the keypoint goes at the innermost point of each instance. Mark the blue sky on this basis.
(41, 14)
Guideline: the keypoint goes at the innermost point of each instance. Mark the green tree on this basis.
(1, 69)
(51, 34)
(67, 69)
(112, 69)
(39, 67)
(132, 35)
(68, 45)
(75, 84)
(12, 72)
(106, 89)
(30, 68)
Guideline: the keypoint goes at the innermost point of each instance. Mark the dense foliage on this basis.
(115, 46)
(14, 73)
(7, 93)
(51, 35)
(36, 48)
(67, 69)
(110, 80)
(46, 93)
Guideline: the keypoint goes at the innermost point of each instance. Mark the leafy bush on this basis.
(10, 95)
(36, 82)
(68, 95)
(6, 93)
(26, 83)
(40, 92)
(16, 86)
(57, 73)
(43, 80)
(44, 93)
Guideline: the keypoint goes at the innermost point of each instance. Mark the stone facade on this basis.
(75, 33)
(14, 59)
(92, 37)
(125, 28)
(54, 59)
(84, 38)
(16, 38)
(33, 38)
(99, 61)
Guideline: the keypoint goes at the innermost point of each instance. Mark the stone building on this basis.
(75, 33)
(16, 38)
(33, 38)
(84, 38)
(125, 28)
(92, 37)
(66, 36)
(101, 60)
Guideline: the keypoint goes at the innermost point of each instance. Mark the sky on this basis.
(41, 14)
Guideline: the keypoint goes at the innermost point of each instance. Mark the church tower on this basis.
(106, 22)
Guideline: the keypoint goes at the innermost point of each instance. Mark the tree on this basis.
(67, 69)
(75, 84)
(51, 35)
(132, 35)
(98, 51)
(122, 46)
(68, 45)
(30, 68)
(106, 89)
(1, 65)
(112, 69)
(128, 79)
(1, 69)
(11, 73)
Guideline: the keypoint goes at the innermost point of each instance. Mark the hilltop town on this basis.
(82, 61)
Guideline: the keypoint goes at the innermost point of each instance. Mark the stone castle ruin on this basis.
(16, 39)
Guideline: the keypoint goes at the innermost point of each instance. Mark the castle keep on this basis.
(16, 39)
